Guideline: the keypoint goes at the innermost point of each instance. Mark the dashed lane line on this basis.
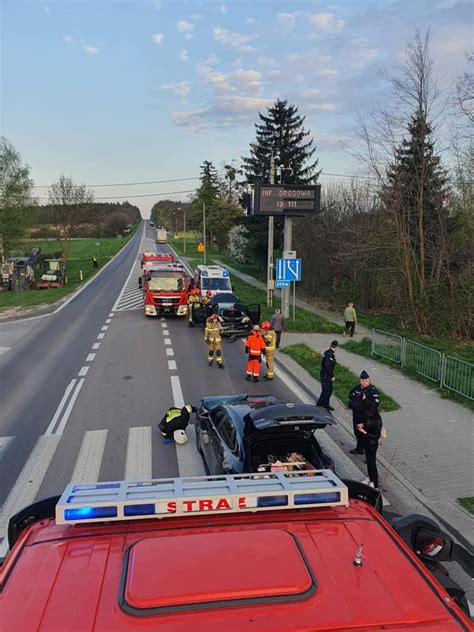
(90, 357)
(165, 332)
(96, 345)
(104, 328)
(167, 341)
(172, 365)
(100, 336)
(169, 352)
(83, 372)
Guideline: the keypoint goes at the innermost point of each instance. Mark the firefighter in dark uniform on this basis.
(176, 419)
(328, 364)
(362, 392)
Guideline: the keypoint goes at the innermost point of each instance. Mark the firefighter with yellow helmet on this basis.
(213, 337)
(269, 336)
(193, 298)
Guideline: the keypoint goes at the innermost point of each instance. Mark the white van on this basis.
(214, 279)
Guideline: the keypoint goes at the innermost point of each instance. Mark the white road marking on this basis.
(188, 464)
(90, 457)
(50, 428)
(111, 314)
(67, 412)
(104, 328)
(90, 357)
(163, 318)
(4, 443)
(100, 336)
(84, 370)
(177, 392)
(169, 352)
(4, 349)
(119, 297)
(138, 463)
(108, 320)
(96, 345)
(172, 365)
(167, 341)
(165, 332)
(28, 483)
(164, 325)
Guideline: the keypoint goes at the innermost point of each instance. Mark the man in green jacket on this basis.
(350, 318)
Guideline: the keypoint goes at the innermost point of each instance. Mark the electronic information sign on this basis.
(290, 199)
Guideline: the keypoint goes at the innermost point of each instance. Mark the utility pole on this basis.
(184, 230)
(271, 230)
(287, 238)
(204, 230)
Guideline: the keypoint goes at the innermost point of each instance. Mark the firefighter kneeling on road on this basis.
(269, 337)
(254, 347)
(193, 298)
(213, 337)
(174, 423)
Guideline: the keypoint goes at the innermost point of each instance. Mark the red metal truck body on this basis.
(165, 290)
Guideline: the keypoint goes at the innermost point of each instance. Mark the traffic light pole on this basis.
(287, 238)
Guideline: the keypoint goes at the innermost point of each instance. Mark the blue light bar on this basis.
(204, 273)
(272, 501)
(89, 513)
(306, 499)
(139, 510)
(225, 273)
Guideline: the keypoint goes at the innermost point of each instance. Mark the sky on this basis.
(115, 92)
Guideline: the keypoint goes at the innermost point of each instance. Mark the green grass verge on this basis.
(468, 503)
(79, 259)
(462, 349)
(364, 348)
(212, 253)
(305, 322)
(310, 360)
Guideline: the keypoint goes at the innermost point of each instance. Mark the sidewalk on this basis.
(430, 439)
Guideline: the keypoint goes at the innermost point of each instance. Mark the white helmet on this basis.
(180, 436)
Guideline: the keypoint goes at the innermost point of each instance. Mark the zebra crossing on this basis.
(139, 460)
(132, 296)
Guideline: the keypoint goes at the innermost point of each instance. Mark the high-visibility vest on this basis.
(255, 344)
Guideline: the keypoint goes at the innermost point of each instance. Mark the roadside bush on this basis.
(238, 243)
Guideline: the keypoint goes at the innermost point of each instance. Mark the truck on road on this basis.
(161, 236)
(165, 290)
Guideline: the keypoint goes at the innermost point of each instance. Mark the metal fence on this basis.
(451, 373)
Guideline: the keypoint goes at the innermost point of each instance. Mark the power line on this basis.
(124, 184)
(138, 195)
(131, 184)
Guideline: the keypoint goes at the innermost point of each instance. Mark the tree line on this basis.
(71, 210)
(399, 241)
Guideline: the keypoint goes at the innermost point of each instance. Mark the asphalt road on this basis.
(82, 390)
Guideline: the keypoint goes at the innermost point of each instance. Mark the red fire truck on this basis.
(273, 552)
(165, 290)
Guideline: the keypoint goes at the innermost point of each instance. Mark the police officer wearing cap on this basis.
(364, 391)
(328, 364)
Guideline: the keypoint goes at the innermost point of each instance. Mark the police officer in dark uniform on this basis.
(328, 364)
(175, 419)
(364, 391)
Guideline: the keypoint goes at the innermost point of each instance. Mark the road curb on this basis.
(457, 523)
(70, 297)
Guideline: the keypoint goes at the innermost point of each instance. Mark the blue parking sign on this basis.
(288, 270)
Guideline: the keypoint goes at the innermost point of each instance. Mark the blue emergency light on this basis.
(174, 497)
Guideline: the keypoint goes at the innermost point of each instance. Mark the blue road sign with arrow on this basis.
(288, 270)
